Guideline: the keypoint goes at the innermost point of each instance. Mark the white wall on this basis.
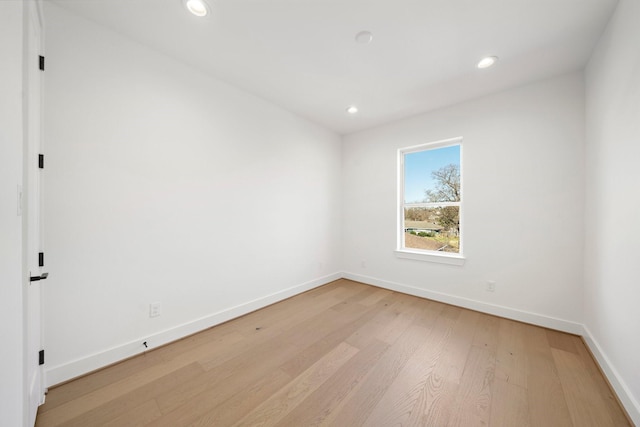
(11, 156)
(164, 184)
(612, 270)
(161, 187)
(523, 198)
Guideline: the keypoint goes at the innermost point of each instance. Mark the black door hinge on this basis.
(41, 357)
(40, 259)
(41, 62)
(41, 161)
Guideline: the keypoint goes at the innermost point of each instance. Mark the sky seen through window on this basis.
(418, 167)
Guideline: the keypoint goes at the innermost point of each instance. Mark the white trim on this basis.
(631, 405)
(497, 310)
(432, 145)
(86, 364)
(431, 256)
(431, 205)
(67, 371)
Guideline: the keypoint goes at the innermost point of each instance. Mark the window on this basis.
(430, 202)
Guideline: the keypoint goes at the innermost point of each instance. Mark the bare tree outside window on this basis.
(447, 189)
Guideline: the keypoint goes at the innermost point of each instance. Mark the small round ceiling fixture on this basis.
(487, 61)
(352, 109)
(197, 7)
(364, 37)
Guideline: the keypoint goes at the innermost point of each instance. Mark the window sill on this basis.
(441, 258)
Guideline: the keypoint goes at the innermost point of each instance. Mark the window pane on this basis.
(432, 175)
(432, 229)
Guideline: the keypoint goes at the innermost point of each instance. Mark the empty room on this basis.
(337, 213)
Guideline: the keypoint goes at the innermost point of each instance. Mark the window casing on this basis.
(430, 202)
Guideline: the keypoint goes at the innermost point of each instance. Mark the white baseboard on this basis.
(82, 366)
(497, 310)
(631, 405)
(64, 372)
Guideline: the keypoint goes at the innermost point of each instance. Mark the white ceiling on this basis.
(302, 54)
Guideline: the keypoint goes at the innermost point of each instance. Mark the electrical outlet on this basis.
(155, 309)
(491, 286)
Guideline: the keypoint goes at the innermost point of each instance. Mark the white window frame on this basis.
(422, 254)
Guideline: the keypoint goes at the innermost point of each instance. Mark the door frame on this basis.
(33, 243)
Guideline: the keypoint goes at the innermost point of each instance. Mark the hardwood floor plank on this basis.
(233, 409)
(139, 416)
(379, 325)
(120, 371)
(69, 391)
(435, 401)
(376, 296)
(225, 336)
(509, 405)
(293, 328)
(619, 418)
(234, 370)
(120, 405)
(405, 312)
(407, 389)
(315, 409)
(472, 406)
(360, 295)
(585, 404)
(236, 373)
(348, 354)
(429, 313)
(356, 408)
(323, 345)
(487, 332)
(281, 403)
(545, 396)
(198, 406)
(561, 341)
(94, 399)
(453, 360)
(511, 358)
(323, 325)
(281, 316)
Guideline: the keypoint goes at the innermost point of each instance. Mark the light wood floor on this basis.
(348, 354)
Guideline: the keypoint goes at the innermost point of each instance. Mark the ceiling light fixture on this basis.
(197, 7)
(364, 37)
(352, 109)
(487, 61)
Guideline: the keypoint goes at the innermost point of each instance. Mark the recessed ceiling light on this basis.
(197, 7)
(352, 109)
(487, 61)
(364, 37)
